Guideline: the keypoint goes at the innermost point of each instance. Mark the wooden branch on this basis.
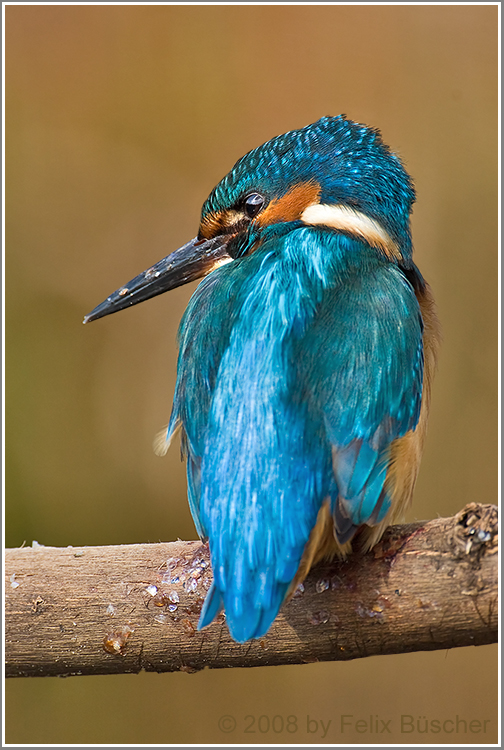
(102, 610)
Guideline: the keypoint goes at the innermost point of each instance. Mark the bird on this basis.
(306, 359)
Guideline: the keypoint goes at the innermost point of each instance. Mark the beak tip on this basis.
(192, 261)
(94, 314)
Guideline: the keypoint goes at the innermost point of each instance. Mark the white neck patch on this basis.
(354, 222)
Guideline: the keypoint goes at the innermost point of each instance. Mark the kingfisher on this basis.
(306, 357)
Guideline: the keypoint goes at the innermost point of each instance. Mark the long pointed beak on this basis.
(190, 262)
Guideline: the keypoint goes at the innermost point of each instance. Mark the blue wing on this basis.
(263, 479)
(363, 368)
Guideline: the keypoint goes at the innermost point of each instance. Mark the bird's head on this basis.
(334, 174)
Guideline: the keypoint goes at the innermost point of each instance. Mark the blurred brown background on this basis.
(120, 120)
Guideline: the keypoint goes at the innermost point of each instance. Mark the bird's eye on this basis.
(253, 204)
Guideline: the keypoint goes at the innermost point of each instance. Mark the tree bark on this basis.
(103, 610)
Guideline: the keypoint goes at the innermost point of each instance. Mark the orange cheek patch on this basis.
(291, 205)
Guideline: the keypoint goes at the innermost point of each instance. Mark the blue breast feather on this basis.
(298, 366)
